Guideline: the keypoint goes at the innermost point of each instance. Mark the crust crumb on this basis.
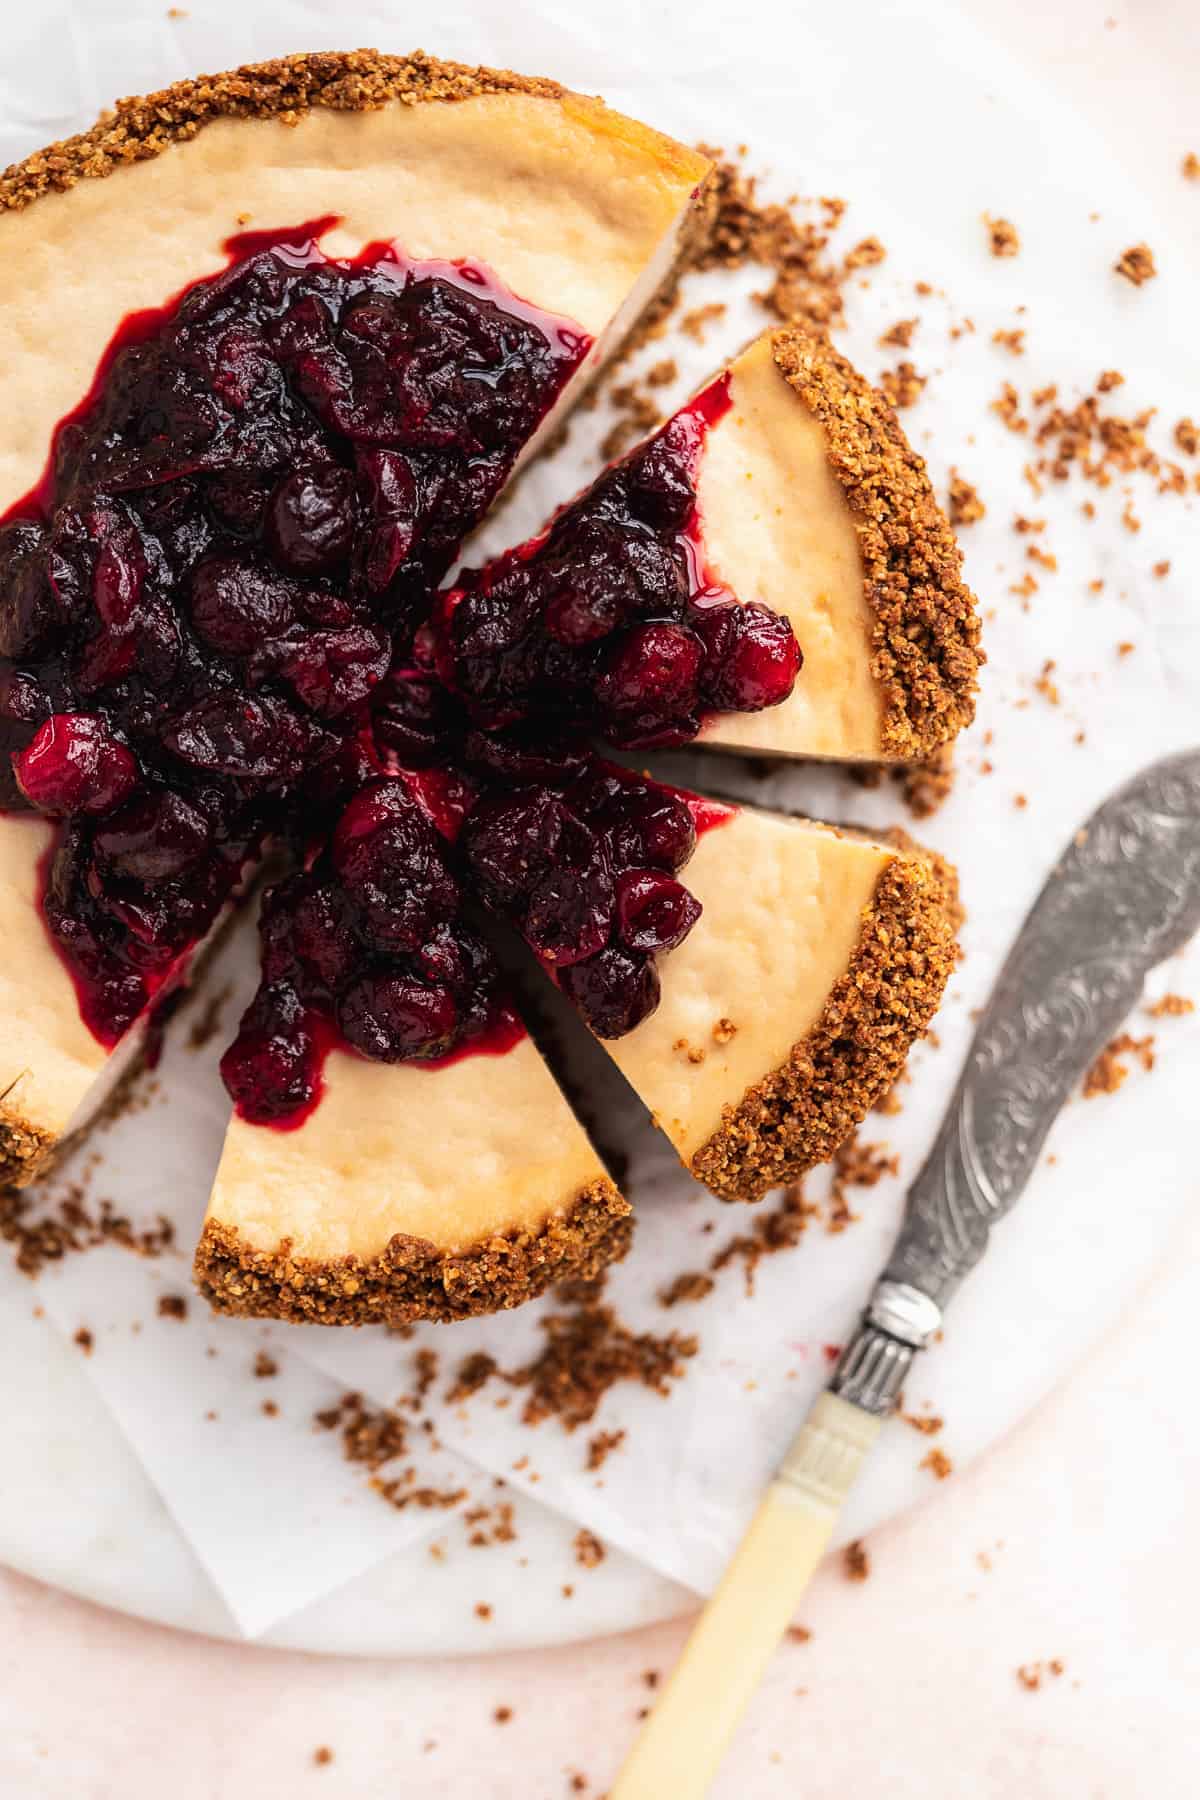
(689, 1286)
(589, 1551)
(1136, 264)
(964, 504)
(1110, 1070)
(856, 1563)
(1003, 238)
(1171, 1006)
(902, 385)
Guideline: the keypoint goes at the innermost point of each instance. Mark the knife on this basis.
(1124, 895)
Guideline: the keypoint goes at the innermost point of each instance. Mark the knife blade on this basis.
(1124, 895)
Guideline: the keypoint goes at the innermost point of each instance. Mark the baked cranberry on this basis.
(614, 990)
(334, 671)
(248, 740)
(394, 1019)
(525, 756)
(155, 837)
(654, 912)
(643, 822)
(75, 764)
(238, 605)
(396, 873)
(751, 657)
(650, 679)
(511, 843)
(310, 519)
(27, 607)
(413, 717)
(270, 1069)
(570, 911)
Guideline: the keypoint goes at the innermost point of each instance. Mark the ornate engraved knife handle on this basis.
(1125, 895)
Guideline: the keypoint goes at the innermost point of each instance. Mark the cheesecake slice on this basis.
(758, 979)
(495, 189)
(410, 1192)
(812, 502)
(818, 958)
(769, 571)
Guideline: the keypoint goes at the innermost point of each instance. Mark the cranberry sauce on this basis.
(369, 949)
(608, 620)
(241, 525)
(585, 866)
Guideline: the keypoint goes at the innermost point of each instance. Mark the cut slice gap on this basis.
(598, 1094)
(450, 162)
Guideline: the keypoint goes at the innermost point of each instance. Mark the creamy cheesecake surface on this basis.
(48, 1058)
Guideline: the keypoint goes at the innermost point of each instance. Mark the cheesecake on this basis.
(768, 572)
(485, 227)
(275, 342)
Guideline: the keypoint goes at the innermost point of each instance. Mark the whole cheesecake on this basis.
(305, 333)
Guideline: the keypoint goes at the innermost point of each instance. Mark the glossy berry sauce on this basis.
(609, 620)
(586, 866)
(240, 526)
(368, 947)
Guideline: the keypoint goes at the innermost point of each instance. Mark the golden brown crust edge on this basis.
(925, 640)
(411, 1278)
(286, 88)
(802, 1111)
(25, 1149)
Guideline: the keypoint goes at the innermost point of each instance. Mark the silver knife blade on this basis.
(1124, 895)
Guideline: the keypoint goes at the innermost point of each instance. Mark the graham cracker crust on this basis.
(411, 1278)
(799, 1114)
(285, 89)
(925, 640)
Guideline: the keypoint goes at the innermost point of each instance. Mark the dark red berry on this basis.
(614, 990)
(751, 657)
(74, 764)
(155, 837)
(310, 519)
(394, 1019)
(654, 912)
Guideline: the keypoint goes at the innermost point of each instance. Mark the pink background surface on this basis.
(908, 1686)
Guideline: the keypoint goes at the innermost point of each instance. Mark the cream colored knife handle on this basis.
(683, 1741)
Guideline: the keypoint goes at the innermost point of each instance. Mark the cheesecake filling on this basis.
(239, 527)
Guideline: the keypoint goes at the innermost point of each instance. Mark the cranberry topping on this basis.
(585, 867)
(217, 624)
(239, 528)
(608, 620)
(368, 948)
